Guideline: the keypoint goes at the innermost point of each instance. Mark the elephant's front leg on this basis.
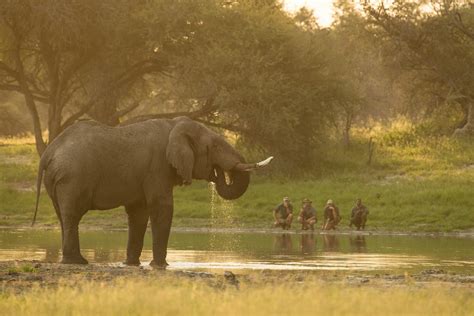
(161, 217)
(137, 223)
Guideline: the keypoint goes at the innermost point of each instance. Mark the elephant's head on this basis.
(196, 152)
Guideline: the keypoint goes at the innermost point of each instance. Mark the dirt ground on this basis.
(19, 276)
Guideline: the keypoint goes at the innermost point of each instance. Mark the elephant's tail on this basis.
(39, 181)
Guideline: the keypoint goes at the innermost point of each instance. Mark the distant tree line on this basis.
(279, 82)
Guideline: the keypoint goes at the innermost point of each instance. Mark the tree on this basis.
(250, 68)
(59, 54)
(244, 66)
(361, 89)
(436, 46)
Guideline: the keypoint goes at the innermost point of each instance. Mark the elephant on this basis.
(91, 166)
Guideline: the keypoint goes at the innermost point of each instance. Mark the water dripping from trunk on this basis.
(222, 217)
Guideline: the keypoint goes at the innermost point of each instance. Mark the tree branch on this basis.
(125, 77)
(206, 109)
(127, 110)
(230, 127)
(16, 88)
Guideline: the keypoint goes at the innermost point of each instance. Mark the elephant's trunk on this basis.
(233, 187)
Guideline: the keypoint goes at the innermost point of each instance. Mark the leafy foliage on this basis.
(432, 46)
(279, 83)
(265, 76)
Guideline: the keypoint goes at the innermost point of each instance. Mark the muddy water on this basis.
(260, 251)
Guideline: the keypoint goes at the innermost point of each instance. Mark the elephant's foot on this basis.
(133, 263)
(74, 260)
(162, 264)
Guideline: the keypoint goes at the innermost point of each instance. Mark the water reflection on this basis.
(358, 243)
(308, 244)
(283, 244)
(330, 243)
(258, 251)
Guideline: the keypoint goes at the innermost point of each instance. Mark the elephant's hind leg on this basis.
(71, 215)
(137, 223)
(71, 248)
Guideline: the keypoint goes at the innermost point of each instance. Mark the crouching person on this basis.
(331, 216)
(307, 216)
(283, 214)
(359, 215)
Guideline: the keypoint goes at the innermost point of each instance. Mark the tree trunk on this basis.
(30, 104)
(371, 151)
(54, 125)
(346, 133)
(29, 101)
(346, 137)
(468, 129)
(105, 110)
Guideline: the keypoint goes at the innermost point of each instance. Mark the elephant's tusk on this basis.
(250, 167)
(265, 162)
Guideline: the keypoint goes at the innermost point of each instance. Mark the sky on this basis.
(322, 9)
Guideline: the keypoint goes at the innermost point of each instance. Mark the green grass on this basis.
(23, 268)
(413, 184)
(177, 296)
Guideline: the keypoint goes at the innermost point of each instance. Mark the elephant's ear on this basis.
(179, 152)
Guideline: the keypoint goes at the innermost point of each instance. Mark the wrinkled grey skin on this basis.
(91, 166)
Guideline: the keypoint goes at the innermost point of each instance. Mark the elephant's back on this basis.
(99, 144)
(81, 141)
(91, 150)
(97, 139)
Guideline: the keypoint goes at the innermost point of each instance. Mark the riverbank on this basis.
(30, 287)
(255, 230)
(421, 189)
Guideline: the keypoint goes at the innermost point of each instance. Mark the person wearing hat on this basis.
(331, 216)
(283, 214)
(359, 215)
(307, 216)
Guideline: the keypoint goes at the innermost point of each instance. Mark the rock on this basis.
(231, 278)
(33, 278)
(357, 279)
(193, 274)
(394, 277)
(433, 271)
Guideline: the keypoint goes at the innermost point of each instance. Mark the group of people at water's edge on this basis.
(283, 215)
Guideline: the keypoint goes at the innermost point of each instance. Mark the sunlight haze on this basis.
(237, 157)
(322, 9)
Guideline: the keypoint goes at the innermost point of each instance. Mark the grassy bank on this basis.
(166, 295)
(411, 185)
